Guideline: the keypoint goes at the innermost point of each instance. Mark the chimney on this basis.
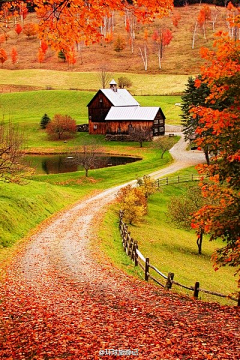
(113, 85)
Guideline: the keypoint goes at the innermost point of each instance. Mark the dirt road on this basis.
(60, 302)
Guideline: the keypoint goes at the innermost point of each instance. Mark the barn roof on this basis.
(132, 113)
(121, 97)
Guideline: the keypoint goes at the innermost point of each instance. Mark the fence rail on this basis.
(176, 179)
(131, 248)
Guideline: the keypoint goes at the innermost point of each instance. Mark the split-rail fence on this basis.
(150, 271)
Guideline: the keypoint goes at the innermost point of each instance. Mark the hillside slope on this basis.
(178, 57)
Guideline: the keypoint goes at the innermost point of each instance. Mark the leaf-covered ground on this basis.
(59, 300)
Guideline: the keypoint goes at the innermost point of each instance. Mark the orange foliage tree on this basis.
(3, 56)
(14, 55)
(65, 22)
(220, 131)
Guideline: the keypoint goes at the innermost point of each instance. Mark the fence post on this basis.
(238, 299)
(169, 280)
(136, 255)
(147, 269)
(167, 181)
(133, 251)
(178, 179)
(158, 183)
(196, 290)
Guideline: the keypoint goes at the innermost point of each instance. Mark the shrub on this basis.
(133, 203)
(30, 29)
(61, 127)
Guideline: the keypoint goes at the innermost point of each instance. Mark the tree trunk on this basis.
(199, 242)
(206, 153)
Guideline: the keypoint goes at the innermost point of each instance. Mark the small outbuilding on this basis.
(115, 112)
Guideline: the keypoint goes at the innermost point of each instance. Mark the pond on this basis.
(63, 163)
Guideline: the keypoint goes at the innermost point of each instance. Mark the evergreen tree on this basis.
(44, 121)
(196, 94)
(192, 96)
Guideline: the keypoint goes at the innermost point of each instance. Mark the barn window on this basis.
(95, 127)
(161, 122)
(161, 129)
(156, 121)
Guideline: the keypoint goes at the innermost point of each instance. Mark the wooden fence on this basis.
(176, 179)
(166, 281)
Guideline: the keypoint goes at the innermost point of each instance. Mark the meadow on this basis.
(39, 79)
(169, 248)
(27, 108)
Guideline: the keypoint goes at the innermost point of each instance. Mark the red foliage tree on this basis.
(41, 55)
(161, 38)
(44, 46)
(176, 18)
(14, 56)
(3, 56)
(18, 29)
(61, 127)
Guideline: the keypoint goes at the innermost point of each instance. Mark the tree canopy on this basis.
(220, 130)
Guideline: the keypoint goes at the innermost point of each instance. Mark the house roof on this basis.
(121, 97)
(132, 113)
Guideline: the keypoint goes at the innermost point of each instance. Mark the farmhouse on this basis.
(115, 112)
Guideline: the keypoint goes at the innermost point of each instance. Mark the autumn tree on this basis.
(18, 29)
(161, 39)
(63, 22)
(30, 30)
(119, 43)
(40, 55)
(3, 56)
(61, 127)
(14, 55)
(147, 185)
(44, 46)
(221, 129)
(176, 17)
(204, 15)
(123, 82)
(133, 203)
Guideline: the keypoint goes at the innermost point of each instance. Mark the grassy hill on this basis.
(178, 57)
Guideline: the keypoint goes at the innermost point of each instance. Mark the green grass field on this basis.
(143, 84)
(27, 108)
(169, 249)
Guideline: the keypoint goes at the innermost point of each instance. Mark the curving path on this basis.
(61, 300)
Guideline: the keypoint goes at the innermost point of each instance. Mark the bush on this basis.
(133, 203)
(147, 185)
(61, 127)
(30, 29)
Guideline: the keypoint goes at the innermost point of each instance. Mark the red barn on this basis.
(115, 112)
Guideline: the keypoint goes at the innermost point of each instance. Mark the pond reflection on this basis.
(63, 163)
